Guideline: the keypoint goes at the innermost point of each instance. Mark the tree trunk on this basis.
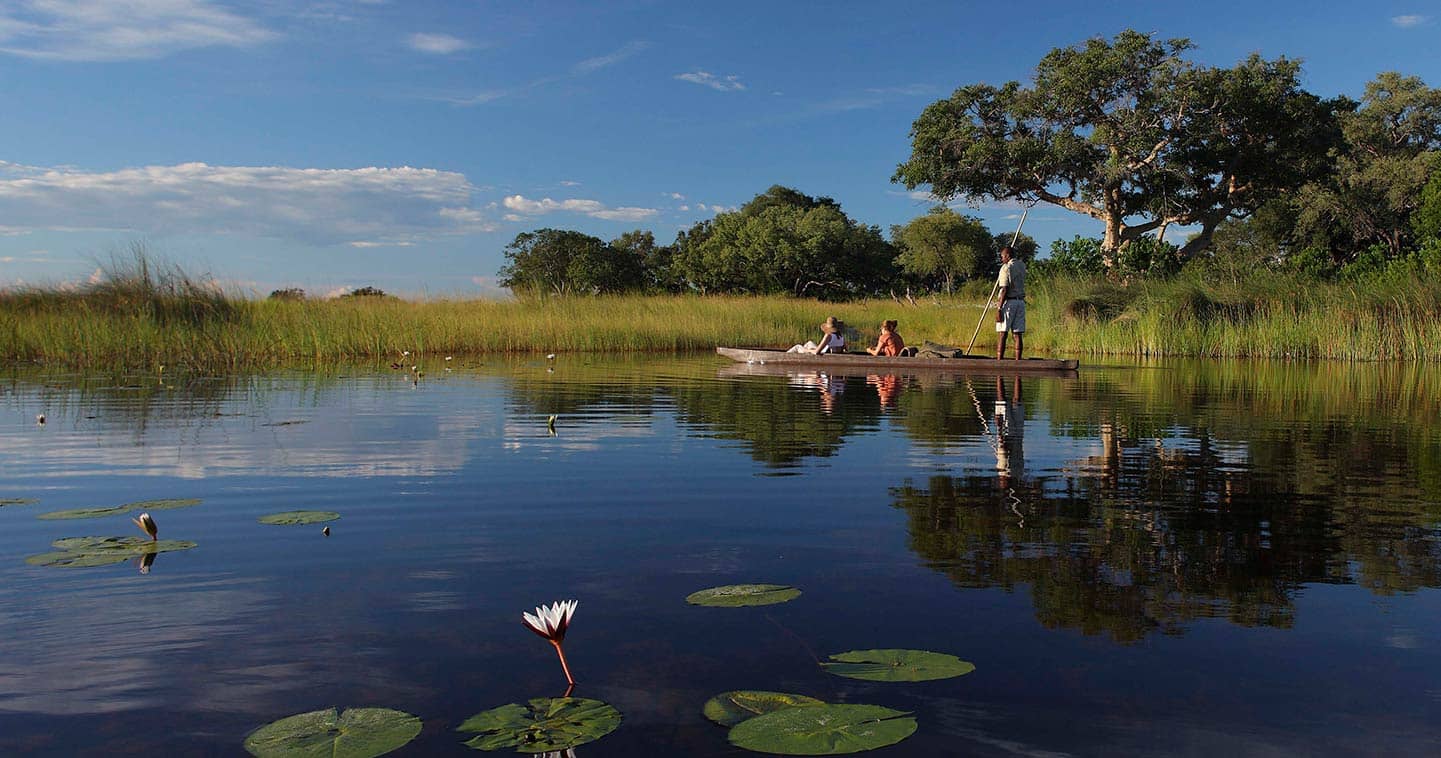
(1199, 242)
(1111, 243)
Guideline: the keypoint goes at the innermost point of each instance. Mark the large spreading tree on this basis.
(1128, 132)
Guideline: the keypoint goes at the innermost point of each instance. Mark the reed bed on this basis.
(147, 316)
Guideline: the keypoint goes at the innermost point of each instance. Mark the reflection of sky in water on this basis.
(1156, 550)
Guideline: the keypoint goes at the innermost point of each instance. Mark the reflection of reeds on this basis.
(140, 314)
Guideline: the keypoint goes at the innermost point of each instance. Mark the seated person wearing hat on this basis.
(834, 340)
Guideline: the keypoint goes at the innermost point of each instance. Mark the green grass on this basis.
(140, 316)
(1268, 316)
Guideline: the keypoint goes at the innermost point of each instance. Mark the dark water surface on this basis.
(1169, 559)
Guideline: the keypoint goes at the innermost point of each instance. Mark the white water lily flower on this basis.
(551, 621)
(147, 524)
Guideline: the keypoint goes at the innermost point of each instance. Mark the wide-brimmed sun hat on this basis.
(832, 324)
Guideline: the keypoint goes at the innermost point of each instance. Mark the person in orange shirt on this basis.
(889, 343)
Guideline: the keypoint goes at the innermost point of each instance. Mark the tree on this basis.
(943, 246)
(1081, 255)
(288, 293)
(366, 291)
(656, 261)
(1426, 222)
(1391, 151)
(1127, 132)
(561, 261)
(785, 241)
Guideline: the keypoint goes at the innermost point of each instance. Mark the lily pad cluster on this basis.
(786, 723)
(541, 725)
(115, 510)
(791, 724)
(330, 733)
(299, 518)
(84, 552)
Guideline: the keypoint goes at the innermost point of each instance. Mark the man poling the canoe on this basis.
(1011, 306)
(1011, 303)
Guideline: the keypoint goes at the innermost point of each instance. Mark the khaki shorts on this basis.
(1013, 317)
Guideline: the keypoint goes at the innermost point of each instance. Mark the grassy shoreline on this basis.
(1271, 317)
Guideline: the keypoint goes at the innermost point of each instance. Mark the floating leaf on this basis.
(737, 595)
(542, 725)
(298, 518)
(115, 510)
(891, 665)
(168, 504)
(87, 552)
(731, 708)
(4, 501)
(355, 733)
(75, 513)
(823, 730)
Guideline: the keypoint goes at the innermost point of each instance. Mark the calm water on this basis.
(1173, 558)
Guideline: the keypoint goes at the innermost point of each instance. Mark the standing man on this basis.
(1011, 313)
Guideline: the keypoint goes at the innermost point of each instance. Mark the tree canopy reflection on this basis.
(1210, 494)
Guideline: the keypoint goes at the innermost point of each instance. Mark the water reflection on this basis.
(1122, 503)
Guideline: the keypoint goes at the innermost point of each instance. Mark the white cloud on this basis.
(109, 30)
(872, 97)
(675, 195)
(707, 79)
(593, 208)
(624, 213)
(310, 205)
(1409, 20)
(569, 183)
(436, 44)
(521, 204)
(576, 71)
(513, 217)
(379, 243)
(592, 64)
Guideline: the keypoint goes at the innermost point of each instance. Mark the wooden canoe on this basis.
(866, 362)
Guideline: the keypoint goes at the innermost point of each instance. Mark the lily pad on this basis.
(114, 510)
(299, 518)
(738, 595)
(4, 501)
(168, 504)
(731, 708)
(87, 552)
(541, 725)
(354, 733)
(892, 665)
(823, 730)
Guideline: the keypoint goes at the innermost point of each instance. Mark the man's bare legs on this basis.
(1001, 344)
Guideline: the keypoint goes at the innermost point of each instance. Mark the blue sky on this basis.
(402, 144)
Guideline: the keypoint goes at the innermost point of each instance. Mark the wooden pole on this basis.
(995, 286)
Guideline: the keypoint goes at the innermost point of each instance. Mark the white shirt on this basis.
(1013, 279)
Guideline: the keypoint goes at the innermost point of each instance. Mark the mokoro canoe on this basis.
(867, 362)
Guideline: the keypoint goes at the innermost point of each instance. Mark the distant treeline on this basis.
(1127, 131)
(781, 242)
